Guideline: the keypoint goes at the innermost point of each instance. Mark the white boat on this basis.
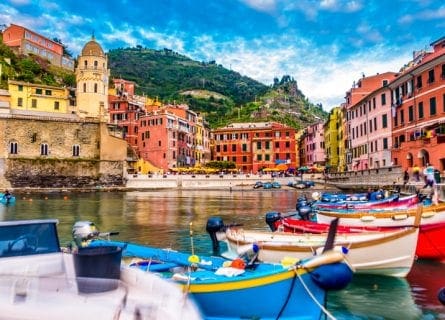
(389, 253)
(38, 281)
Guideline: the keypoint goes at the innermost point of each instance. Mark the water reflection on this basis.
(375, 297)
(426, 279)
(162, 218)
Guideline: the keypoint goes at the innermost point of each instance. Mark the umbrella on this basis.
(303, 169)
(281, 167)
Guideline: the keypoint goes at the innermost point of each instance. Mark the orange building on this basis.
(25, 41)
(255, 146)
(418, 110)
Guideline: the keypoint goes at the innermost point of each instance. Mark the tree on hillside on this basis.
(66, 52)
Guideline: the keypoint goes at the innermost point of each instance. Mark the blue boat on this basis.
(7, 198)
(267, 185)
(276, 185)
(234, 289)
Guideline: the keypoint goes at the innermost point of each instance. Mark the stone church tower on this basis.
(92, 82)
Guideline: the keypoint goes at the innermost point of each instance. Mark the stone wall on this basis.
(59, 168)
(364, 179)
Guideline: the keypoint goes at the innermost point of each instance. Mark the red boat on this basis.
(430, 244)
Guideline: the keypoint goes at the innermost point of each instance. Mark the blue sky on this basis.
(325, 45)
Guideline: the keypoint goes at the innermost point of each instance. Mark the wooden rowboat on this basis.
(389, 252)
(430, 243)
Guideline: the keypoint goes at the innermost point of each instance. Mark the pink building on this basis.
(312, 146)
(368, 123)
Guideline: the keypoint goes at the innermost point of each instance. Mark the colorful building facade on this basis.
(312, 151)
(369, 125)
(255, 146)
(25, 41)
(367, 122)
(38, 97)
(418, 110)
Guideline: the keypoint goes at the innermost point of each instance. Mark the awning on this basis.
(281, 167)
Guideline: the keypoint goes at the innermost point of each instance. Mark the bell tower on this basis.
(92, 82)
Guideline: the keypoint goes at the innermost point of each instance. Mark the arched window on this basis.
(44, 149)
(95, 64)
(95, 88)
(13, 147)
(76, 150)
(86, 64)
(84, 87)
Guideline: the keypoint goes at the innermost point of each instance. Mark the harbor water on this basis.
(165, 218)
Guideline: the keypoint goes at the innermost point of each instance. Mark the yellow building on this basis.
(202, 141)
(332, 130)
(38, 97)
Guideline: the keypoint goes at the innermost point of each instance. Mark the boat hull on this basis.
(432, 225)
(389, 252)
(262, 300)
(266, 292)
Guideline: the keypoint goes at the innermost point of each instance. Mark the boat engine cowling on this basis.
(214, 225)
(83, 231)
(271, 218)
(304, 212)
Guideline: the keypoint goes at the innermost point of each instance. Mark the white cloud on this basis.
(424, 15)
(123, 33)
(162, 40)
(321, 75)
(261, 5)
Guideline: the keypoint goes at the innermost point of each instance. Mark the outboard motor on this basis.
(271, 218)
(301, 203)
(84, 231)
(214, 225)
(304, 212)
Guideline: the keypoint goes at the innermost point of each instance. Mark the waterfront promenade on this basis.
(211, 181)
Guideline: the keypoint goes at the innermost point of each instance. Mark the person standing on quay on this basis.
(416, 173)
(405, 177)
(428, 172)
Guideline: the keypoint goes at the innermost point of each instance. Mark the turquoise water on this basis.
(165, 218)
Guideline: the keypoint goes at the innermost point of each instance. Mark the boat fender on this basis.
(272, 218)
(428, 214)
(335, 276)
(400, 217)
(316, 196)
(193, 259)
(238, 264)
(214, 225)
(441, 296)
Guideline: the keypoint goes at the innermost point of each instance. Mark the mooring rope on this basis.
(328, 314)
(291, 289)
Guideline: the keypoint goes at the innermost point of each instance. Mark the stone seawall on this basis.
(237, 181)
(361, 180)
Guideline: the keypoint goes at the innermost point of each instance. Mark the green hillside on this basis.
(221, 95)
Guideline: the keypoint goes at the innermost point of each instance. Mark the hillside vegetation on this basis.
(222, 96)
